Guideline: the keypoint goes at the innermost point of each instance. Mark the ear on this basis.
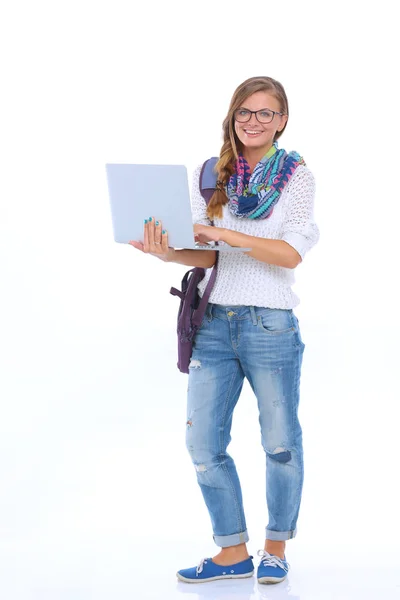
(284, 120)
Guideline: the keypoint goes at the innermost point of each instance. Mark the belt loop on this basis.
(253, 315)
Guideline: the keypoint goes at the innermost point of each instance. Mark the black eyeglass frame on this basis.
(254, 112)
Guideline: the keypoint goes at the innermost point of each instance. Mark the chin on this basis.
(254, 144)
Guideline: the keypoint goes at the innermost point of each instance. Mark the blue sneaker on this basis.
(207, 570)
(271, 569)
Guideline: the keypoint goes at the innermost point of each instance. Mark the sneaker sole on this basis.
(187, 580)
(271, 579)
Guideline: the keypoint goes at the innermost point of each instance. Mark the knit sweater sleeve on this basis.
(299, 228)
(199, 206)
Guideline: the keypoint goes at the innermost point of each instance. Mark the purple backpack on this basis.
(192, 308)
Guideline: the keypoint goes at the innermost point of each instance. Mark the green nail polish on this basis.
(164, 232)
(157, 223)
(150, 219)
(145, 221)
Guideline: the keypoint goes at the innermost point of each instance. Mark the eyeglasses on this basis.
(265, 115)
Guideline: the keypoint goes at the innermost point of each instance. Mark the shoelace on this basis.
(199, 567)
(270, 560)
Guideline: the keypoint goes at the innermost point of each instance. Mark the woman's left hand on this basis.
(207, 233)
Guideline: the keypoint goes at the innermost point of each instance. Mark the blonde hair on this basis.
(231, 144)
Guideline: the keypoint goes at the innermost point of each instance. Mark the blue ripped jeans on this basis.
(265, 346)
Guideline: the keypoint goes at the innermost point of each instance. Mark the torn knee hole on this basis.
(280, 455)
(195, 364)
(200, 468)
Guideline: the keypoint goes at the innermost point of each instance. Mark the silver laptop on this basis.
(138, 192)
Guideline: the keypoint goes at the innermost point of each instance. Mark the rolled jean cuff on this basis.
(223, 541)
(280, 536)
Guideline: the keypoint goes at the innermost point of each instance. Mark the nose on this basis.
(253, 122)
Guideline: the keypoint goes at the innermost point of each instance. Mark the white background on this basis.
(98, 496)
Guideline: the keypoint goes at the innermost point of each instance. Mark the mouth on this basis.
(252, 132)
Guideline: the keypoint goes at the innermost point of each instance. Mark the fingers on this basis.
(155, 241)
(146, 247)
(157, 233)
(164, 241)
(137, 245)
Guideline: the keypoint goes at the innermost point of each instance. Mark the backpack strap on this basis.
(201, 309)
(208, 178)
(207, 184)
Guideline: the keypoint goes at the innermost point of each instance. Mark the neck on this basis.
(254, 155)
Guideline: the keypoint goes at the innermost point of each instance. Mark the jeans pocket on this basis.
(297, 329)
(205, 322)
(275, 321)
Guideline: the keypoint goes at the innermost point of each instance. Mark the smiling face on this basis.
(257, 138)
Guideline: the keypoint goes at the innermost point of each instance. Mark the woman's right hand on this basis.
(155, 241)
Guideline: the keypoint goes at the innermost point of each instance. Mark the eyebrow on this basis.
(266, 108)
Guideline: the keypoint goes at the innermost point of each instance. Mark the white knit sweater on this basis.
(244, 280)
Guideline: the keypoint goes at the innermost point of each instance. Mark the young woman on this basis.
(264, 201)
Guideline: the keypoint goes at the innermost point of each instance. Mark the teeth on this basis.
(248, 131)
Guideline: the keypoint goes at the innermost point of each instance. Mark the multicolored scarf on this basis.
(254, 195)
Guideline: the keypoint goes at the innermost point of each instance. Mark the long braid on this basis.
(224, 168)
